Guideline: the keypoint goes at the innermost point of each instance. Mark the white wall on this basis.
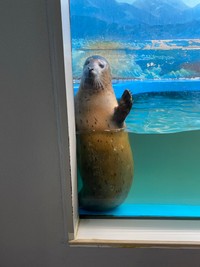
(31, 212)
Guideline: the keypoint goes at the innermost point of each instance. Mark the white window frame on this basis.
(97, 232)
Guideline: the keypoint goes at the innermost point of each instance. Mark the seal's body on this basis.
(104, 155)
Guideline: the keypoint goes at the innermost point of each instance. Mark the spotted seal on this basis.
(105, 159)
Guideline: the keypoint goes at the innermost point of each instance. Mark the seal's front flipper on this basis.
(124, 107)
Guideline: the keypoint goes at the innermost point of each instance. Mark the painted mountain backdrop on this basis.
(144, 19)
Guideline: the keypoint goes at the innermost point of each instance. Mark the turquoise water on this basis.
(162, 106)
(165, 112)
(166, 177)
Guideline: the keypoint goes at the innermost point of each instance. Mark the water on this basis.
(162, 106)
(165, 112)
(166, 177)
(166, 168)
(164, 135)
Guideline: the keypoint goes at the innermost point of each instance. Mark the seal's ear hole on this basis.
(101, 65)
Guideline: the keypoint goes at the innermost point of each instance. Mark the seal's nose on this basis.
(90, 69)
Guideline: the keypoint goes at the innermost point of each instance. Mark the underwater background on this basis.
(153, 47)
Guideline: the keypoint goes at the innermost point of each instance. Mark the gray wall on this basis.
(31, 215)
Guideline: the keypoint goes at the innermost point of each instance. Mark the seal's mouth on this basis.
(91, 80)
(94, 81)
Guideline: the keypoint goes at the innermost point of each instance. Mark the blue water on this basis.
(149, 210)
(166, 106)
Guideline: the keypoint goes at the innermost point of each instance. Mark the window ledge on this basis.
(138, 233)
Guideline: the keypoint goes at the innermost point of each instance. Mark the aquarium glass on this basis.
(153, 47)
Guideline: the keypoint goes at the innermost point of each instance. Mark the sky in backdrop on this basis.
(191, 3)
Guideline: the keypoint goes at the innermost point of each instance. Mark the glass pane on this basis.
(153, 49)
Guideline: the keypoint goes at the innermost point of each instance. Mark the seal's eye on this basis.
(101, 65)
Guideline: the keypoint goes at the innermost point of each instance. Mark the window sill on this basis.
(137, 233)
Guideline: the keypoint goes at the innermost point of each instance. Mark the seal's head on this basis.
(96, 73)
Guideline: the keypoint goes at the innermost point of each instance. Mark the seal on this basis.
(105, 160)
